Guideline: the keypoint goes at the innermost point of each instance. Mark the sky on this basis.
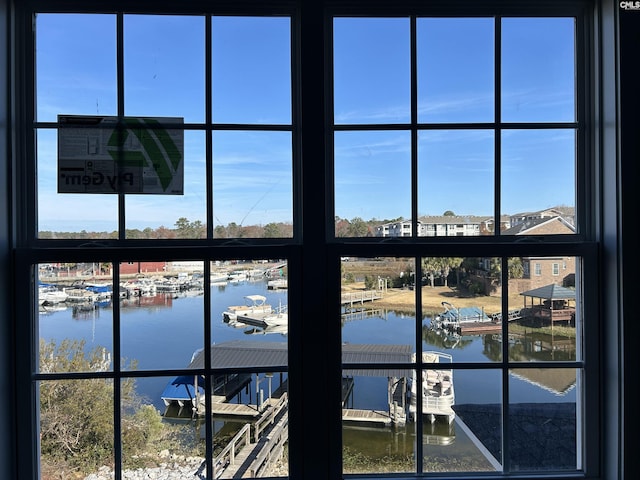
(164, 76)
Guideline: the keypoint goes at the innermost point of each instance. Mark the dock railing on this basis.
(228, 454)
(360, 296)
(269, 418)
(274, 443)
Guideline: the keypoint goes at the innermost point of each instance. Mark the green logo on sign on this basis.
(158, 149)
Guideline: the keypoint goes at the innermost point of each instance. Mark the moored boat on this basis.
(50, 295)
(255, 305)
(451, 318)
(436, 388)
(278, 317)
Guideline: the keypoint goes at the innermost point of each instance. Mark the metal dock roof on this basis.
(243, 354)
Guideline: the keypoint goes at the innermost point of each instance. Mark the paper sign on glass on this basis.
(140, 155)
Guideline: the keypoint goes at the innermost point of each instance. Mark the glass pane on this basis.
(543, 419)
(75, 65)
(251, 70)
(75, 320)
(69, 215)
(76, 436)
(167, 328)
(461, 305)
(153, 443)
(249, 302)
(371, 70)
(538, 185)
(455, 69)
(161, 79)
(549, 322)
(466, 440)
(378, 305)
(538, 69)
(376, 437)
(367, 191)
(174, 216)
(252, 184)
(456, 182)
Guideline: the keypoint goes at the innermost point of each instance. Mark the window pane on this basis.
(539, 181)
(538, 69)
(154, 444)
(467, 440)
(371, 70)
(374, 437)
(251, 70)
(174, 304)
(174, 216)
(76, 437)
(456, 182)
(75, 320)
(69, 215)
(161, 79)
(544, 414)
(378, 303)
(249, 301)
(76, 65)
(549, 325)
(366, 188)
(461, 305)
(455, 69)
(252, 184)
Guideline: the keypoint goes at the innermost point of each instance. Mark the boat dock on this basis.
(472, 320)
(260, 442)
(359, 297)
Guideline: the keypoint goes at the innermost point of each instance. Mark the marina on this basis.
(163, 330)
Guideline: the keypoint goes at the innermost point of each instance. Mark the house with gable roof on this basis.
(541, 271)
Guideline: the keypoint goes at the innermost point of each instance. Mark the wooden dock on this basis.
(472, 328)
(354, 415)
(251, 456)
(234, 409)
(359, 297)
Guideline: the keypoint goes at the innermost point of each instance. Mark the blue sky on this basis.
(164, 72)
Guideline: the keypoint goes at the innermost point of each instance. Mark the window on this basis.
(176, 214)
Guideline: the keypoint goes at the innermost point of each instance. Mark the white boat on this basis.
(280, 283)
(437, 391)
(50, 295)
(278, 317)
(81, 295)
(281, 329)
(139, 287)
(256, 305)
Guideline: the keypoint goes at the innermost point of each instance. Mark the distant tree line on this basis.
(183, 228)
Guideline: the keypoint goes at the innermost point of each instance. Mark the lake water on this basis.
(163, 332)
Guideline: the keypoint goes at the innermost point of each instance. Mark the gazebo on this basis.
(554, 304)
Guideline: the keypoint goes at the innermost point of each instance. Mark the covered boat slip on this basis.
(244, 355)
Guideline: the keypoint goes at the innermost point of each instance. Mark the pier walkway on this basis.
(360, 297)
(256, 447)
